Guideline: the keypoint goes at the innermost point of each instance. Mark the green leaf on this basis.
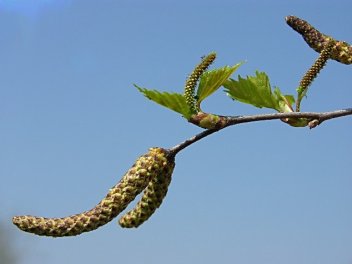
(256, 90)
(173, 101)
(212, 80)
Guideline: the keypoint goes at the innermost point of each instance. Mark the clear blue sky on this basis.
(71, 124)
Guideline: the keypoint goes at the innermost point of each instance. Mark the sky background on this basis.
(71, 124)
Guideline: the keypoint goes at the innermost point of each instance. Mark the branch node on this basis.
(314, 123)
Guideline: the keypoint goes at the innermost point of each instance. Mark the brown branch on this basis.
(316, 118)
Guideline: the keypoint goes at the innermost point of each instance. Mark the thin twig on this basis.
(316, 119)
(320, 116)
(174, 150)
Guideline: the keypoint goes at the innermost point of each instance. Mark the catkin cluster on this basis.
(341, 51)
(151, 200)
(155, 164)
(193, 79)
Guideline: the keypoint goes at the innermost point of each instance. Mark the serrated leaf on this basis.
(173, 101)
(212, 80)
(256, 90)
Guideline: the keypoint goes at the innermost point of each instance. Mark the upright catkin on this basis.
(151, 200)
(193, 79)
(341, 52)
(136, 179)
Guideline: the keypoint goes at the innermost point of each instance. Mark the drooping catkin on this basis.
(342, 51)
(193, 79)
(151, 200)
(132, 183)
(318, 65)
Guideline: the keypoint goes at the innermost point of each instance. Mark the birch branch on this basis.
(316, 119)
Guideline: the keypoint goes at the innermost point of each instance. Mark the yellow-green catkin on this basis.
(193, 79)
(341, 51)
(151, 199)
(319, 64)
(136, 179)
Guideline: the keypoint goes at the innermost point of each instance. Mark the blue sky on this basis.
(71, 124)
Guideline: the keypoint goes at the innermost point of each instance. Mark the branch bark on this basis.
(316, 119)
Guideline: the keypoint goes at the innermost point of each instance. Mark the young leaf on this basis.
(285, 101)
(256, 90)
(173, 101)
(212, 80)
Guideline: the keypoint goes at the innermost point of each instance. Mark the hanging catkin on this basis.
(147, 167)
(151, 199)
(342, 51)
